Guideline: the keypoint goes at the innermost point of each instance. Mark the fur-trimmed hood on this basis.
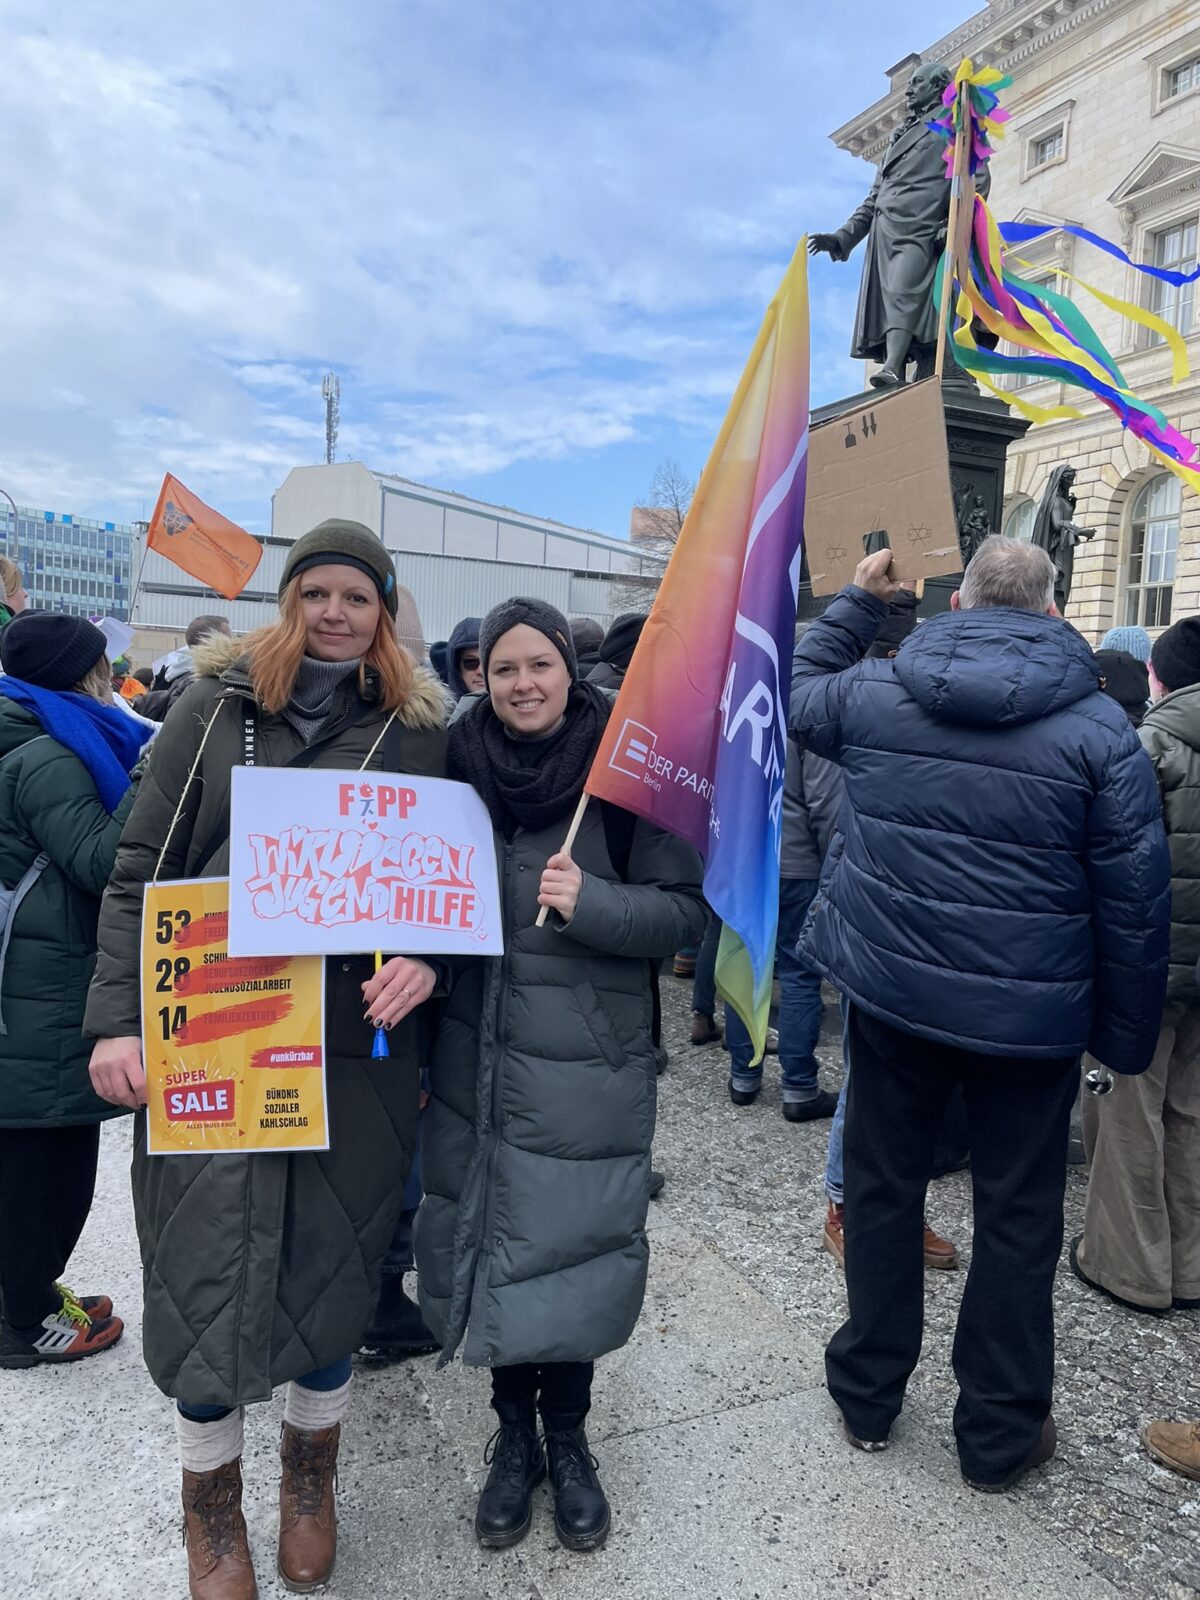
(427, 704)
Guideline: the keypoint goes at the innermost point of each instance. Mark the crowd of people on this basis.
(991, 851)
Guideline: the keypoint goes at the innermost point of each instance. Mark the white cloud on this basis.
(519, 233)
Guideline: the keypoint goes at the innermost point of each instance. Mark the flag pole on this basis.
(694, 510)
(962, 197)
(137, 582)
(572, 834)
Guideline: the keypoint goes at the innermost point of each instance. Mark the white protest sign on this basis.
(118, 636)
(337, 863)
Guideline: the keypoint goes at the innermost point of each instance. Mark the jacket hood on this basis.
(178, 665)
(1178, 714)
(225, 658)
(18, 726)
(464, 635)
(621, 640)
(996, 667)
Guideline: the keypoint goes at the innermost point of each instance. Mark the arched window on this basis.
(1018, 524)
(1153, 541)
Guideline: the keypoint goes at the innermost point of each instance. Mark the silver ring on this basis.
(404, 994)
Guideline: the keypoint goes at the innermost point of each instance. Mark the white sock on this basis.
(310, 1410)
(205, 1446)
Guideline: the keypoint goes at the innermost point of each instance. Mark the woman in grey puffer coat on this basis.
(531, 1242)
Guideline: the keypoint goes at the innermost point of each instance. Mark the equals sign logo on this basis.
(634, 749)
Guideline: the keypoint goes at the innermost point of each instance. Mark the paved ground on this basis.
(727, 1473)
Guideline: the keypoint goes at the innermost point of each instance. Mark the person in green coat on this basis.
(263, 1269)
(1140, 1244)
(66, 753)
(531, 1240)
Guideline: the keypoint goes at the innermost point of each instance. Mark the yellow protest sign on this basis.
(234, 1047)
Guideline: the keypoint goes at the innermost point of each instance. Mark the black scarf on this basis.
(547, 789)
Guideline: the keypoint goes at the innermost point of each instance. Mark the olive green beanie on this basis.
(338, 543)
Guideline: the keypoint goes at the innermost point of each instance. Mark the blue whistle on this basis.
(379, 1049)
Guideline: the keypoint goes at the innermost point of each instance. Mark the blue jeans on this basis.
(834, 1181)
(799, 1006)
(704, 984)
(322, 1379)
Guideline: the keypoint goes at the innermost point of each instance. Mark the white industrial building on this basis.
(457, 556)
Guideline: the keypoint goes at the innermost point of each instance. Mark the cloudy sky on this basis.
(533, 237)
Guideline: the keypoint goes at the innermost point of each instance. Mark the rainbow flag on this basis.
(698, 737)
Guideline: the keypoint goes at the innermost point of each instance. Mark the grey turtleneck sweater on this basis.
(312, 702)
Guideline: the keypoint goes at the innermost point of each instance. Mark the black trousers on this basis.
(47, 1180)
(562, 1390)
(1018, 1112)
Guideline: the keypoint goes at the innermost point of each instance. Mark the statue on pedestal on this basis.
(974, 523)
(1055, 531)
(903, 220)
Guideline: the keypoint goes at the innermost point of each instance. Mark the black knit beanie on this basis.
(1175, 655)
(336, 543)
(49, 650)
(539, 614)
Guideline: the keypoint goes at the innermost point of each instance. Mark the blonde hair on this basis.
(276, 651)
(98, 682)
(10, 577)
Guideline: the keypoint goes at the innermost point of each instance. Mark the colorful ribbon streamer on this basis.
(974, 94)
(1048, 333)
(1027, 232)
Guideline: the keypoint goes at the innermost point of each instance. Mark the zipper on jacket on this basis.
(492, 1130)
(245, 1273)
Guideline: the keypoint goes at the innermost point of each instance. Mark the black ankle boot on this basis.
(518, 1465)
(397, 1330)
(581, 1514)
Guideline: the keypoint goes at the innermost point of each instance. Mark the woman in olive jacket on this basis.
(531, 1241)
(263, 1269)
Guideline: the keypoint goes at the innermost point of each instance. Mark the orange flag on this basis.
(202, 541)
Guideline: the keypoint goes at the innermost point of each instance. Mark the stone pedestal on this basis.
(979, 430)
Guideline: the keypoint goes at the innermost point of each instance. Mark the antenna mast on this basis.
(331, 389)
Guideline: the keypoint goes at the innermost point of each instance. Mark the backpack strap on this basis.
(10, 899)
(10, 904)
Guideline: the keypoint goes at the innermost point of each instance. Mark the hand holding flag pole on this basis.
(568, 844)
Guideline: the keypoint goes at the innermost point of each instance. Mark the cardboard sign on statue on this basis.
(337, 863)
(882, 468)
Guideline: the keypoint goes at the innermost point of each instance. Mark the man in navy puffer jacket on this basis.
(996, 904)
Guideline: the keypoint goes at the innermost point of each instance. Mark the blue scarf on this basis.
(105, 739)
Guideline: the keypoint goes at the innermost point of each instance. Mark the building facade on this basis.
(72, 564)
(1104, 134)
(458, 556)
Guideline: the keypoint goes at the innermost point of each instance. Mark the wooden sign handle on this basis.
(572, 834)
(962, 196)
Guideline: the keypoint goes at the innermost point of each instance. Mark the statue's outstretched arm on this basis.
(840, 244)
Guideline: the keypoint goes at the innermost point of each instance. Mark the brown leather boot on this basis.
(214, 1531)
(307, 1521)
(1176, 1445)
(940, 1254)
